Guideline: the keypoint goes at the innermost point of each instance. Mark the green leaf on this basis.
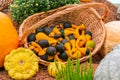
(75, 72)
(21, 9)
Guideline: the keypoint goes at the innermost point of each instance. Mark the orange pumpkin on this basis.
(8, 37)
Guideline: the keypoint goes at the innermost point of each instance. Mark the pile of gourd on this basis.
(61, 41)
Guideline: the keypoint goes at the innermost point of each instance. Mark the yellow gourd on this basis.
(57, 58)
(56, 30)
(21, 64)
(50, 57)
(51, 34)
(76, 35)
(75, 55)
(72, 42)
(90, 44)
(55, 67)
(60, 39)
(79, 28)
(74, 26)
(68, 32)
(70, 29)
(83, 51)
(68, 48)
(37, 48)
(73, 38)
(83, 32)
(43, 36)
(81, 40)
(88, 37)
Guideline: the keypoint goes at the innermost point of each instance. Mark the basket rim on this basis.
(62, 12)
(89, 5)
(42, 13)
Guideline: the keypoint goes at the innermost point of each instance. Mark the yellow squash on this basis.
(21, 64)
(55, 67)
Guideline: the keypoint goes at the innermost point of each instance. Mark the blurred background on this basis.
(117, 2)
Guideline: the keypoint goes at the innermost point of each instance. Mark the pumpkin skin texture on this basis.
(8, 37)
(109, 67)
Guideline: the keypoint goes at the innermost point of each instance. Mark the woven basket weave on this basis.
(33, 19)
(78, 14)
(4, 4)
(112, 12)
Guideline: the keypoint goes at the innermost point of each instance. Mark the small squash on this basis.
(81, 40)
(21, 64)
(77, 32)
(57, 58)
(67, 24)
(84, 51)
(78, 29)
(31, 37)
(59, 47)
(67, 46)
(57, 36)
(9, 39)
(36, 48)
(52, 34)
(75, 55)
(37, 30)
(88, 35)
(90, 45)
(43, 43)
(50, 58)
(56, 30)
(54, 67)
(68, 32)
(44, 57)
(51, 51)
(43, 36)
(47, 30)
(72, 42)
(63, 56)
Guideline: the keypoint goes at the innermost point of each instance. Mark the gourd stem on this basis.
(21, 62)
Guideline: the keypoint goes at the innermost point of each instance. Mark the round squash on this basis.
(21, 64)
(108, 68)
(8, 37)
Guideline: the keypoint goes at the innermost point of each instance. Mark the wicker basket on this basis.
(33, 19)
(78, 14)
(112, 7)
(4, 4)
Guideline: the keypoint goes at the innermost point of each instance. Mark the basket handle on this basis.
(89, 5)
(98, 5)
